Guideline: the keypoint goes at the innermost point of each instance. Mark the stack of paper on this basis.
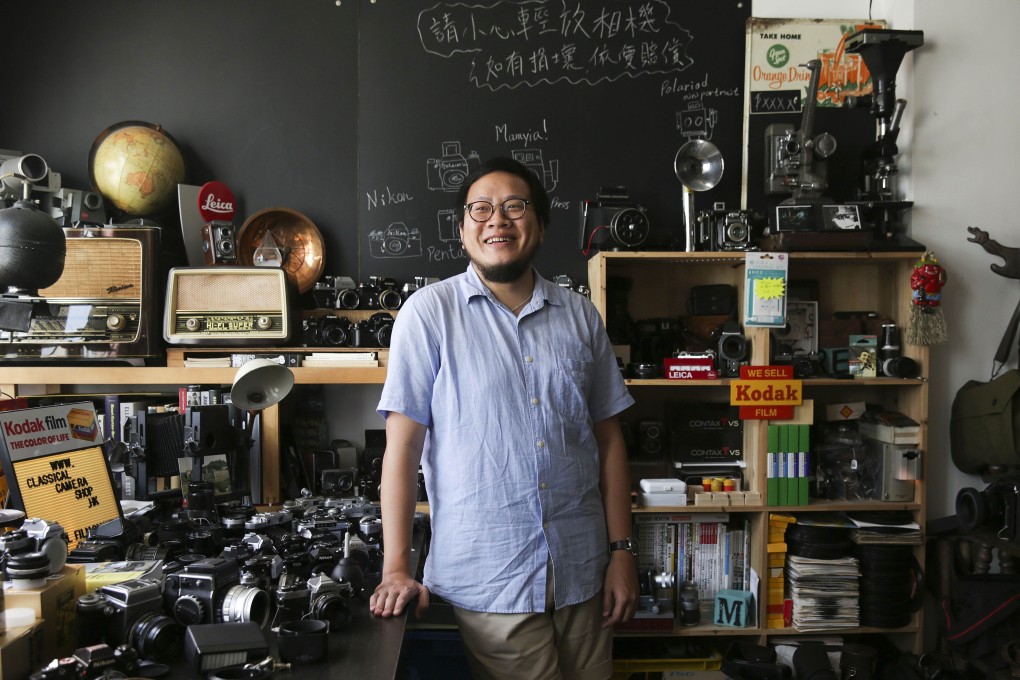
(207, 362)
(825, 593)
(341, 359)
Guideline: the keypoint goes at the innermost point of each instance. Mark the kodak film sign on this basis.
(766, 392)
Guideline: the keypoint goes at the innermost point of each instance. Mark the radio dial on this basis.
(264, 323)
(116, 322)
(193, 324)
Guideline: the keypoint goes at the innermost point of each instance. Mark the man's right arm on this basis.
(405, 440)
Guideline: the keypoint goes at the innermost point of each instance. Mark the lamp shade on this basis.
(260, 383)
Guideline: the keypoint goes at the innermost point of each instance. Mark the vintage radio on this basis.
(103, 307)
(225, 306)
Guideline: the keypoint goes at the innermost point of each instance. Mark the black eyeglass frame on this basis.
(502, 209)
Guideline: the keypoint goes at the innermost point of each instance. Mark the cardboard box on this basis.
(55, 603)
(21, 651)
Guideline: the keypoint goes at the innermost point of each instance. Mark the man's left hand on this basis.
(620, 595)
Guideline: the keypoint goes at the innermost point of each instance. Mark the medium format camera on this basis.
(395, 241)
(209, 591)
(996, 508)
(612, 222)
(720, 229)
(219, 243)
(130, 612)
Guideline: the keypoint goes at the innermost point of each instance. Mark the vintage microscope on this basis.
(882, 51)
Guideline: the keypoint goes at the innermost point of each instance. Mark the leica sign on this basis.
(216, 202)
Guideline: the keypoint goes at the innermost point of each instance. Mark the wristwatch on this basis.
(629, 544)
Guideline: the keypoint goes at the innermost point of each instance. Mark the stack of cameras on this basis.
(310, 559)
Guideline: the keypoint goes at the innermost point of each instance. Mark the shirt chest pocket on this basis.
(573, 381)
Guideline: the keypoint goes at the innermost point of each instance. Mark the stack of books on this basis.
(777, 605)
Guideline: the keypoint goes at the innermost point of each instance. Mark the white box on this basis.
(661, 499)
(663, 485)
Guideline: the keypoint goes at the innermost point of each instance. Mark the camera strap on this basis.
(1006, 344)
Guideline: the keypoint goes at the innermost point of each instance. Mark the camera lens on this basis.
(332, 607)
(157, 637)
(979, 508)
(334, 335)
(736, 232)
(242, 603)
(348, 299)
(900, 367)
(28, 570)
(383, 334)
(390, 299)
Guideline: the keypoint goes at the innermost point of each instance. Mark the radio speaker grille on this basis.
(100, 268)
(233, 291)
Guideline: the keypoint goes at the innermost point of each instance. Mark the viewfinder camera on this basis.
(219, 243)
(612, 222)
(209, 591)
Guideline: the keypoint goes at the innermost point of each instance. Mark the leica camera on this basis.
(720, 229)
(209, 591)
(995, 509)
(130, 612)
(219, 243)
(612, 222)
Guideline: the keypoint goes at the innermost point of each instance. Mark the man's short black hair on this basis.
(538, 197)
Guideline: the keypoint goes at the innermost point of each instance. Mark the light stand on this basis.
(259, 384)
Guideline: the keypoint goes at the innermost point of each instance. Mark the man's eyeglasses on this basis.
(512, 209)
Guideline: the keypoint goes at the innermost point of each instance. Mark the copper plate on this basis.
(295, 234)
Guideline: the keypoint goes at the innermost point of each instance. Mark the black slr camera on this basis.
(996, 508)
(720, 229)
(96, 661)
(374, 331)
(131, 613)
(329, 288)
(328, 330)
(209, 591)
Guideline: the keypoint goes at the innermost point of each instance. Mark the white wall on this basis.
(959, 148)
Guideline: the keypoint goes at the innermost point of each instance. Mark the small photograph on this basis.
(841, 217)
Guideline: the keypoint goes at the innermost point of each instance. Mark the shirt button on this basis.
(545, 525)
(528, 359)
(534, 401)
(541, 444)
(543, 486)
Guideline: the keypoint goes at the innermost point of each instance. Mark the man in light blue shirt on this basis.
(506, 389)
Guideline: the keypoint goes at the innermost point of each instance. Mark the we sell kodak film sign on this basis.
(766, 392)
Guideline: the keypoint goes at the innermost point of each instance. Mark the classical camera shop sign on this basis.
(766, 392)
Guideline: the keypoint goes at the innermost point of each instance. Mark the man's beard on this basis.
(507, 272)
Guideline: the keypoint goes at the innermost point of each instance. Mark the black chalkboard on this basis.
(354, 112)
(587, 94)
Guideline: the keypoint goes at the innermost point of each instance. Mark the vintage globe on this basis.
(136, 166)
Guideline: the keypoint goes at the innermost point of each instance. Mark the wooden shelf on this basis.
(164, 375)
